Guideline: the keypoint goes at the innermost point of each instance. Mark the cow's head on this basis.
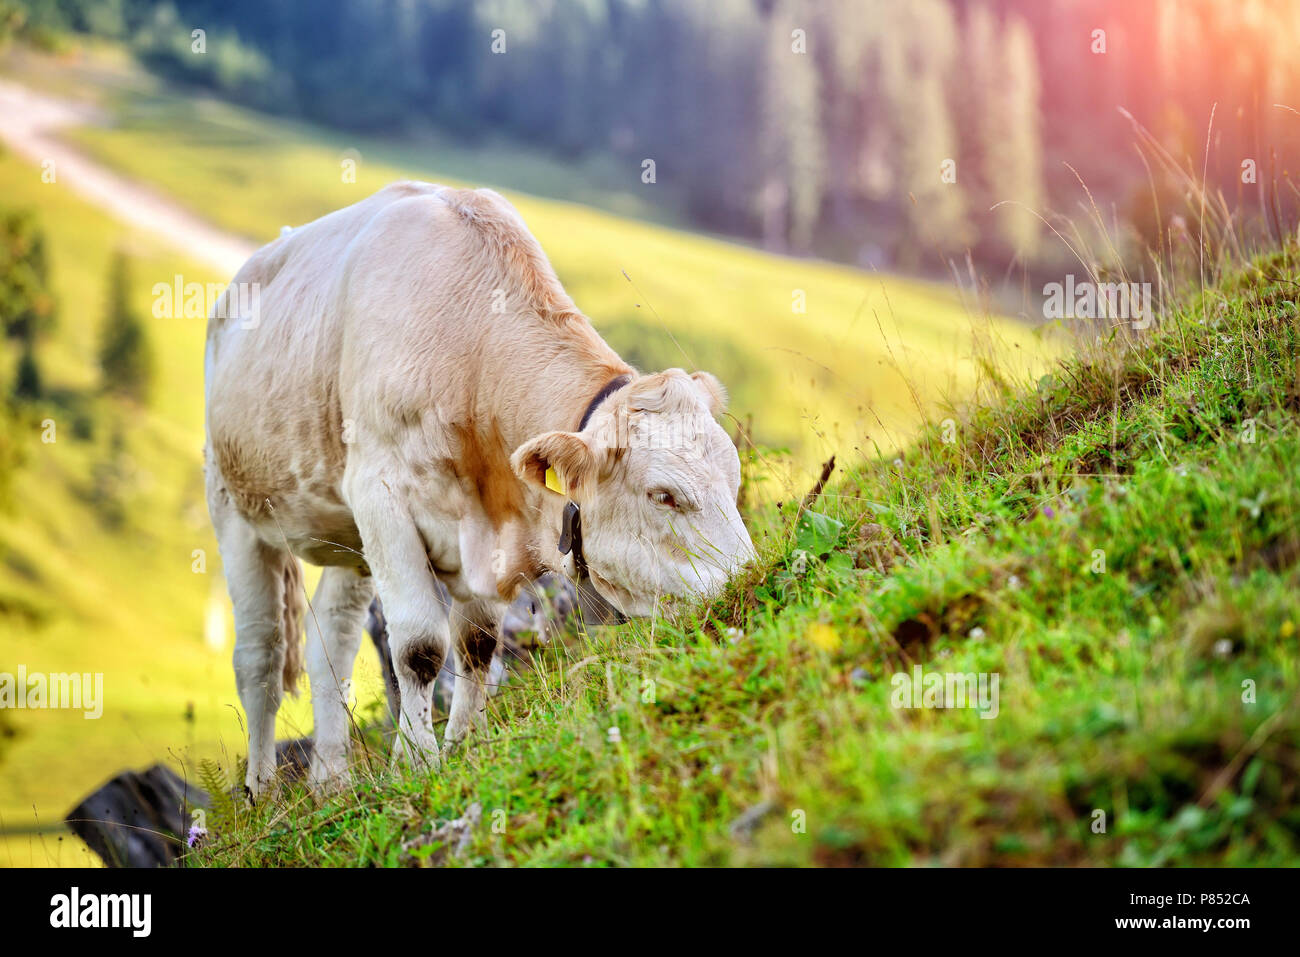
(655, 477)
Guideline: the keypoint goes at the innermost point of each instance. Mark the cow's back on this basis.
(275, 426)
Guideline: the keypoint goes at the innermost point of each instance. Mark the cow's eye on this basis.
(663, 497)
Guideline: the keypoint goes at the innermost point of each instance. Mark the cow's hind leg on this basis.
(475, 633)
(260, 579)
(333, 637)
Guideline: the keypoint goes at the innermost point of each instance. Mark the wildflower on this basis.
(614, 736)
(198, 834)
(823, 636)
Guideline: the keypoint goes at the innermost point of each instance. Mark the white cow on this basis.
(402, 392)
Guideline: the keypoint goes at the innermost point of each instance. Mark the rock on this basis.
(454, 836)
(142, 818)
(742, 828)
(139, 818)
(293, 758)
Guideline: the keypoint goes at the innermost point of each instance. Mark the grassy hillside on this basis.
(1120, 546)
(831, 375)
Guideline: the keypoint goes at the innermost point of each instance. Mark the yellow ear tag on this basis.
(553, 481)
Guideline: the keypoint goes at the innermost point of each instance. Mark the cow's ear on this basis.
(715, 396)
(566, 455)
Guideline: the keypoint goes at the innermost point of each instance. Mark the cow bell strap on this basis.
(571, 538)
(571, 526)
(612, 386)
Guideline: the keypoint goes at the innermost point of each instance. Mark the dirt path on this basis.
(29, 123)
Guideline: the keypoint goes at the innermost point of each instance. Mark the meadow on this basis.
(1106, 563)
(99, 537)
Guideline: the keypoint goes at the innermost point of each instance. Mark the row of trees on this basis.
(861, 129)
(811, 126)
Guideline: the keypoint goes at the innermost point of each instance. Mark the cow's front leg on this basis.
(418, 654)
(474, 631)
(418, 629)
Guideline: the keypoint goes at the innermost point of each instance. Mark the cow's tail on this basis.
(291, 622)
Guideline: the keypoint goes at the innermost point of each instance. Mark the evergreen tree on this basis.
(27, 382)
(1016, 169)
(27, 307)
(976, 94)
(26, 304)
(997, 92)
(125, 361)
(915, 73)
(850, 31)
(794, 155)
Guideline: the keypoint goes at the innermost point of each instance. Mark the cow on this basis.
(403, 393)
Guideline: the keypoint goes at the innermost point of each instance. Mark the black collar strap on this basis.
(571, 527)
(612, 386)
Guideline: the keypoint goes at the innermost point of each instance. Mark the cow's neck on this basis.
(593, 384)
(575, 383)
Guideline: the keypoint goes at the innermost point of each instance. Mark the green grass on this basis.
(1158, 688)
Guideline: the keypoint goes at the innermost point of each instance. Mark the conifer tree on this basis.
(125, 361)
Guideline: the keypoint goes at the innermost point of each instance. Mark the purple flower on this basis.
(197, 835)
(1048, 512)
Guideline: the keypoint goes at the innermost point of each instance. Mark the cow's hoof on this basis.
(259, 790)
(327, 777)
(455, 738)
(408, 754)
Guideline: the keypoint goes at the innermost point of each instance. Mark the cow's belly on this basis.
(336, 544)
(283, 474)
(321, 535)
(324, 533)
